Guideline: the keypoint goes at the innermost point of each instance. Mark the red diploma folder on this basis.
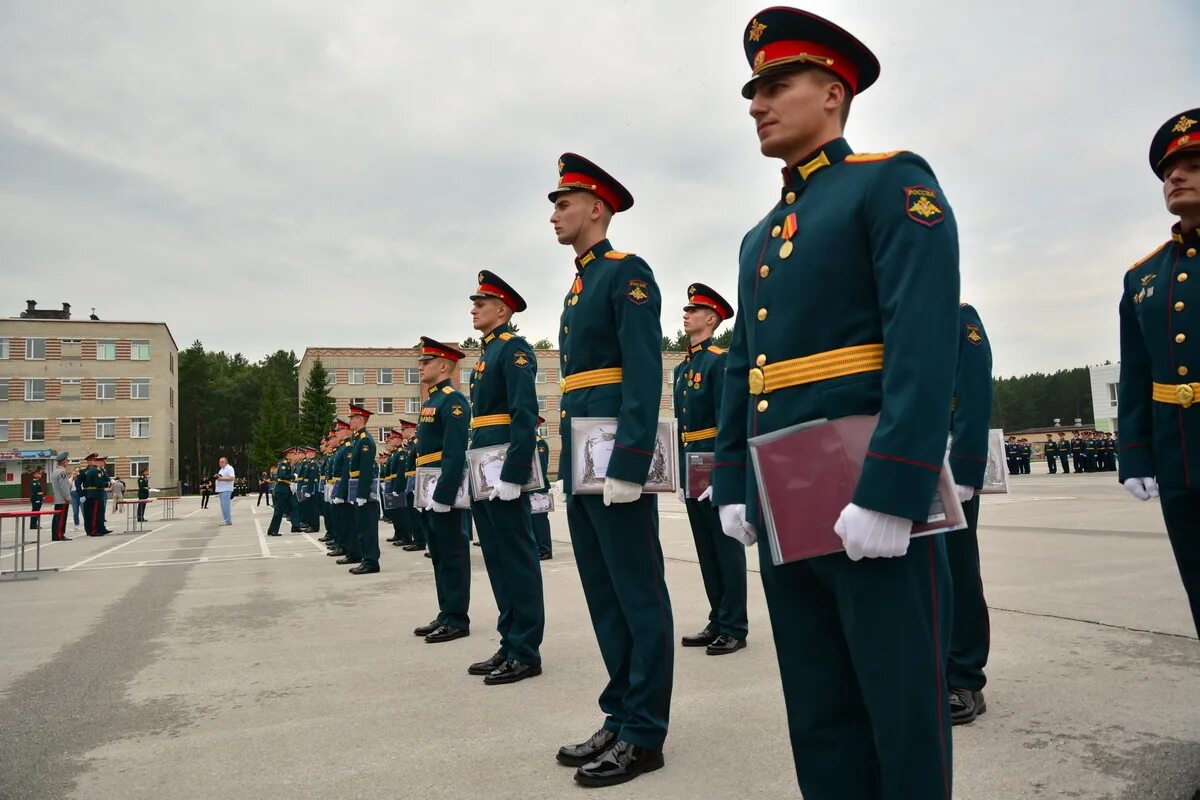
(808, 473)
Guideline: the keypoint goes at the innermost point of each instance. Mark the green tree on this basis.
(543, 344)
(271, 431)
(317, 408)
(469, 343)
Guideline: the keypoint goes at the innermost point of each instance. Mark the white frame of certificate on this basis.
(664, 469)
(541, 502)
(427, 478)
(995, 478)
(482, 457)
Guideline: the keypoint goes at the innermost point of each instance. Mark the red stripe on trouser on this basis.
(96, 514)
(939, 662)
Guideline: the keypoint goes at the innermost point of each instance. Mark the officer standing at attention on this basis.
(1064, 452)
(699, 379)
(102, 480)
(1026, 456)
(415, 517)
(323, 463)
(969, 415)
(365, 508)
(341, 513)
(391, 483)
(442, 433)
(504, 412)
(1159, 430)
(143, 492)
(94, 481)
(1077, 451)
(878, 334)
(1050, 450)
(282, 493)
(541, 522)
(1010, 455)
(610, 344)
(37, 495)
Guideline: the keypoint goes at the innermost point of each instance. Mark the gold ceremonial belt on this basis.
(488, 420)
(429, 458)
(698, 436)
(1183, 394)
(819, 367)
(354, 473)
(282, 480)
(410, 474)
(590, 378)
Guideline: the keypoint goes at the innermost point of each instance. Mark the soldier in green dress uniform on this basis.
(1063, 446)
(281, 494)
(699, 380)
(504, 414)
(37, 495)
(541, 522)
(341, 523)
(970, 412)
(360, 496)
(610, 344)
(415, 519)
(143, 492)
(1050, 449)
(1159, 431)
(861, 644)
(442, 436)
(92, 485)
(391, 486)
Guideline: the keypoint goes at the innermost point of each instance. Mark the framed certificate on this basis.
(484, 465)
(427, 479)
(391, 501)
(328, 492)
(592, 442)
(541, 503)
(995, 478)
(699, 473)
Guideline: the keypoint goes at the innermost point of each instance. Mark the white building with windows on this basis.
(1105, 379)
(82, 386)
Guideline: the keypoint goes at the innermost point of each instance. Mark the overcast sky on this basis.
(267, 174)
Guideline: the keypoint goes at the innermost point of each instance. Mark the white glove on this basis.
(1142, 488)
(734, 524)
(338, 500)
(434, 505)
(965, 493)
(872, 534)
(682, 496)
(619, 491)
(706, 495)
(360, 501)
(505, 491)
(394, 494)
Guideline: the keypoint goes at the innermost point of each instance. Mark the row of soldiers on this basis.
(1089, 451)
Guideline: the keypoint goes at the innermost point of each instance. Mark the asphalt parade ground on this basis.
(202, 661)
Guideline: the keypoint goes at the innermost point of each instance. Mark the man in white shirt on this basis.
(224, 487)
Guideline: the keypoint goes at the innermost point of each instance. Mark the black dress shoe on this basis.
(337, 551)
(445, 633)
(274, 534)
(392, 539)
(702, 639)
(62, 539)
(399, 543)
(965, 706)
(412, 548)
(724, 645)
(325, 539)
(348, 560)
(511, 672)
(476, 543)
(576, 755)
(425, 630)
(545, 557)
(364, 569)
(429, 555)
(620, 763)
(487, 665)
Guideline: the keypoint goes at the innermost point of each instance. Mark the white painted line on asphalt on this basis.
(262, 540)
(320, 547)
(197, 511)
(167, 562)
(113, 549)
(177, 549)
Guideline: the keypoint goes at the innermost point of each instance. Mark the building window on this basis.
(1112, 395)
(71, 341)
(4, 347)
(412, 375)
(69, 421)
(171, 432)
(139, 349)
(541, 376)
(172, 396)
(106, 388)
(171, 362)
(106, 349)
(139, 389)
(385, 376)
(70, 381)
(358, 376)
(542, 405)
(106, 429)
(137, 464)
(383, 434)
(331, 378)
(35, 389)
(385, 405)
(412, 405)
(543, 431)
(3, 430)
(35, 430)
(35, 349)
(464, 375)
(139, 428)
(358, 401)
(170, 469)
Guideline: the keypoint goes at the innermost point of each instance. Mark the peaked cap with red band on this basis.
(577, 174)
(701, 296)
(341, 425)
(492, 285)
(1179, 134)
(359, 411)
(432, 348)
(782, 38)
(395, 433)
(406, 425)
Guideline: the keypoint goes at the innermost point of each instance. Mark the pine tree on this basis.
(271, 432)
(317, 408)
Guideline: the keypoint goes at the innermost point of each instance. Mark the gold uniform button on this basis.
(1181, 277)
(789, 198)
(1182, 371)
(762, 314)
(1191, 252)
(1179, 306)
(764, 270)
(762, 405)
(566, 329)
(761, 360)
(776, 231)
(564, 414)
(1180, 338)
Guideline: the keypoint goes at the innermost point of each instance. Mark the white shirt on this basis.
(226, 472)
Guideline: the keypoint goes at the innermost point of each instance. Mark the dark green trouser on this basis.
(723, 568)
(310, 514)
(862, 654)
(366, 528)
(541, 533)
(451, 556)
(620, 564)
(277, 510)
(347, 532)
(1181, 509)
(970, 637)
(415, 525)
(511, 557)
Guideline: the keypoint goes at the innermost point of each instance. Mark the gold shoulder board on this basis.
(615, 255)
(507, 336)
(1157, 250)
(866, 158)
(447, 390)
(716, 350)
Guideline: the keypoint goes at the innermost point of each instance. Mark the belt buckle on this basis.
(562, 384)
(757, 381)
(1185, 394)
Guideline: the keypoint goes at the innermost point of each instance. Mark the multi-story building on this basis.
(1105, 380)
(86, 385)
(387, 381)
